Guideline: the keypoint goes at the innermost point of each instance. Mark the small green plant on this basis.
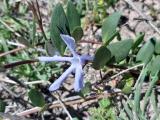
(105, 111)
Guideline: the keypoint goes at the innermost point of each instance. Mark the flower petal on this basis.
(78, 84)
(70, 42)
(85, 58)
(61, 79)
(54, 58)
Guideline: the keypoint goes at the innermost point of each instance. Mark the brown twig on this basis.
(14, 95)
(11, 65)
(71, 101)
(13, 51)
(63, 106)
(30, 111)
(37, 15)
(92, 42)
(78, 100)
(10, 29)
(4, 78)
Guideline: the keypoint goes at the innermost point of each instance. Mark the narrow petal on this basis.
(70, 42)
(54, 58)
(61, 79)
(78, 84)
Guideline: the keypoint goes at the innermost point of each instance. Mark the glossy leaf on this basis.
(102, 56)
(72, 16)
(59, 24)
(120, 50)
(36, 98)
(109, 26)
(145, 53)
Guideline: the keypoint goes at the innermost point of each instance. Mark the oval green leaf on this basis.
(77, 33)
(36, 98)
(145, 53)
(102, 56)
(59, 24)
(154, 66)
(109, 27)
(157, 46)
(120, 50)
(73, 16)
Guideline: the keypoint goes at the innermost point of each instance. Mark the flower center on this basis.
(76, 60)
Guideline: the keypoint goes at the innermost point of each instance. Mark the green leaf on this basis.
(111, 2)
(72, 16)
(138, 40)
(5, 33)
(104, 103)
(86, 89)
(77, 33)
(102, 56)
(138, 89)
(36, 98)
(120, 50)
(145, 53)
(109, 27)
(128, 85)
(33, 31)
(59, 24)
(127, 110)
(154, 66)
(122, 115)
(6, 49)
(2, 106)
(154, 103)
(157, 47)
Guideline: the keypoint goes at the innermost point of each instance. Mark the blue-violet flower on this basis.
(77, 61)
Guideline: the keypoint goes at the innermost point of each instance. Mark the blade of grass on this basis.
(149, 91)
(154, 104)
(128, 111)
(137, 93)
